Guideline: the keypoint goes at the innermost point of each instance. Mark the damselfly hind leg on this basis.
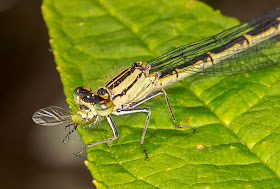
(171, 112)
(134, 109)
(115, 132)
(154, 94)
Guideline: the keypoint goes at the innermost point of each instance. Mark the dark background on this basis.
(32, 156)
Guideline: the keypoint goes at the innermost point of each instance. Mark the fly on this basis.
(255, 41)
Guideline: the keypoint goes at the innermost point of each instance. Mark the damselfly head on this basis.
(92, 104)
(83, 94)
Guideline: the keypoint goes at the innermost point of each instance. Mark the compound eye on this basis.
(104, 107)
(83, 107)
(75, 96)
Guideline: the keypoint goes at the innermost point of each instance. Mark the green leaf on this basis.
(236, 143)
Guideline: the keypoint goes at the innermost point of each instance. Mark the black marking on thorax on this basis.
(122, 76)
(104, 92)
(129, 87)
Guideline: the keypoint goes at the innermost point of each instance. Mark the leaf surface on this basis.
(236, 143)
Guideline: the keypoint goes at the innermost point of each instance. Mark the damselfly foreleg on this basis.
(115, 132)
(70, 132)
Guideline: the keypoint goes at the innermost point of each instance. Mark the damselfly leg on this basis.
(69, 132)
(154, 94)
(115, 132)
(134, 109)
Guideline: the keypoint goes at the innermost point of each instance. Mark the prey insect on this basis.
(245, 47)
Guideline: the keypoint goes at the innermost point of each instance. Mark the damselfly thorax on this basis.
(131, 85)
(245, 47)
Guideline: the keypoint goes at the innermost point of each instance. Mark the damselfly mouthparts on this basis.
(245, 47)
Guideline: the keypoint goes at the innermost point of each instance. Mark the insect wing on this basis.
(263, 50)
(52, 116)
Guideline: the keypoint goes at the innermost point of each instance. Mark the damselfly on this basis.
(245, 47)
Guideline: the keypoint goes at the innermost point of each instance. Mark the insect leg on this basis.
(71, 131)
(136, 110)
(171, 112)
(154, 94)
(115, 132)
